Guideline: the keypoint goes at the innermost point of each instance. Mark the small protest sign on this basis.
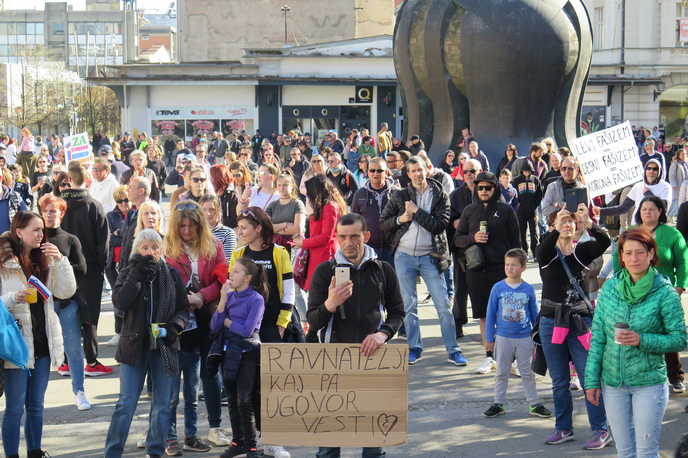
(608, 159)
(76, 148)
(330, 395)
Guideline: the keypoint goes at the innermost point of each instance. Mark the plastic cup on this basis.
(32, 297)
(620, 327)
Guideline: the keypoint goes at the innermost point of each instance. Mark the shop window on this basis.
(201, 126)
(167, 128)
(235, 126)
(598, 38)
(58, 28)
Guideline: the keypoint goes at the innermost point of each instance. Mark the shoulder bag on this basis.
(573, 281)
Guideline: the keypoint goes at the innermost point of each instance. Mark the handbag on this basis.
(13, 348)
(301, 268)
(475, 260)
(208, 309)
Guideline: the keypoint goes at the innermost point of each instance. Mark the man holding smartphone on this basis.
(556, 190)
(352, 311)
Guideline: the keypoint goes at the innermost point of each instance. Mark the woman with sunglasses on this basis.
(60, 184)
(222, 181)
(190, 248)
(156, 164)
(263, 194)
(510, 155)
(115, 218)
(256, 234)
(40, 180)
(245, 158)
(268, 156)
(198, 185)
(449, 162)
(211, 207)
(457, 174)
(362, 173)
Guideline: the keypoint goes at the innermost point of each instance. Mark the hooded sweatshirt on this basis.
(659, 188)
(369, 203)
(529, 191)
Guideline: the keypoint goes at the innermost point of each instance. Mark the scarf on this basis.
(634, 293)
(334, 170)
(163, 284)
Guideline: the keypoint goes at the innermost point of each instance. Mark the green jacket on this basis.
(659, 321)
(673, 255)
(367, 150)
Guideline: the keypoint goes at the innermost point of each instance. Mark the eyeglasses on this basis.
(391, 161)
(653, 169)
(485, 188)
(198, 180)
(122, 201)
(375, 171)
(247, 212)
(98, 170)
(470, 171)
(648, 143)
(237, 175)
(567, 169)
(141, 160)
(189, 206)
(316, 162)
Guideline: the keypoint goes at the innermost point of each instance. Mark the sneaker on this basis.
(415, 355)
(427, 300)
(575, 383)
(459, 331)
(401, 335)
(97, 370)
(223, 400)
(196, 444)
(201, 396)
(233, 451)
(559, 437)
(277, 451)
(488, 365)
(81, 402)
(514, 369)
(599, 440)
(64, 370)
(172, 448)
(142, 442)
(539, 410)
(458, 359)
(253, 453)
(494, 410)
(217, 437)
(259, 441)
(114, 341)
(678, 387)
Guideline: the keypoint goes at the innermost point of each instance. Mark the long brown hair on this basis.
(320, 192)
(33, 263)
(259, 276)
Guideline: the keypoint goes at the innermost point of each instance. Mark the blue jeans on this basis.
(300, 302)
(211, 386)
(71, 332)
(131, 380)
(335, 452)
(408, 268)
(449, 278)
(635, 415)
(24, 389)
(190, 368)
(557, 357)
(608, 268)
(673, 209)
(385, 254)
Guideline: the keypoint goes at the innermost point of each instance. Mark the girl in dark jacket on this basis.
(238, 317)
(149, 292)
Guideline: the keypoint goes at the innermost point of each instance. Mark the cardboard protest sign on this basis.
(608, 159)
(76, 148)
(330, 395)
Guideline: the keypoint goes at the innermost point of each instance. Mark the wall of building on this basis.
(216, 30)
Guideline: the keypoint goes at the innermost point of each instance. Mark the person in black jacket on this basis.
(85, 218)
(116, 220)
(529, 198)
(501, 236)
(138, 192)
(416, 218)
(149, 292)
(371, 283)
(126, 146)
(341, 177)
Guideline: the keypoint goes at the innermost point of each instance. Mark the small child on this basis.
(529, 198)
(238, 316)
(508, 192)
(512, 310)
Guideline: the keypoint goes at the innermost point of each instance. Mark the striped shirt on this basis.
(227, 237)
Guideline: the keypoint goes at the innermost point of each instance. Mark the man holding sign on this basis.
(352, 311)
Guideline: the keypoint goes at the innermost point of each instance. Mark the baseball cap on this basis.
(415, 137)
(105, 149)
(127, 133)
(307, 134)
(190, 157)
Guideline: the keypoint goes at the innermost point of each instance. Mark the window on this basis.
(681, 13)
(144, 37)
(598, 38)
(58, 28)
(40, 27)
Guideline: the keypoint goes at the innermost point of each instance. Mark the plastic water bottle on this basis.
(162, 333)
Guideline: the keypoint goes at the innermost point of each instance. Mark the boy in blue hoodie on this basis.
(511, 313)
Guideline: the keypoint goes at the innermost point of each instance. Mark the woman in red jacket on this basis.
(190, 248)
(328, 205)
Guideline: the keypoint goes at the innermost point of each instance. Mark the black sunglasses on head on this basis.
(189, 206)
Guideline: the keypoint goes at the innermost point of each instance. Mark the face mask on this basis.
(335, 169)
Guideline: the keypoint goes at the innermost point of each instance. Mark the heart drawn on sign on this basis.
(385, 423)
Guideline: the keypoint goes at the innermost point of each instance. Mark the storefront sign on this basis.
(331, 395)
(167, 113)
(167, 127)
(235, 126)
(683, 29)
(364, 94)
(76, 149)
(203, 127)
(608, 159)
(202, 112)
(237, 112)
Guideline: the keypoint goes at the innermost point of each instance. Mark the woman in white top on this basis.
(678, 173)
(260, 196)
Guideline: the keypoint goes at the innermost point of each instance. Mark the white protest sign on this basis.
(76, 148)
(608, 159)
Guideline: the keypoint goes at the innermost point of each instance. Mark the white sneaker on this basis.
(81, 402)
(217, 437)
(142, 442)
(259, 441)
(487, 366)
(514, 369)
(114, 341)
(277, 451)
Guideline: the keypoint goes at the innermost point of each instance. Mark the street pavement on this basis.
(446, 405)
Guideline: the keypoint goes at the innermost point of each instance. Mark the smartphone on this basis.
(575, 197)
(341, 275)
(180, 160)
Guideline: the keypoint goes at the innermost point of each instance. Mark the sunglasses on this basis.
(567, 169)
(122, 201)
(56, 173)
(485, 188)
(237, 175)
(648, 143)
(98, 170)
(653, 169)
(247, 212)
(198, 180)
(470, 171)
(141, 160)
(64, 185)
(190, 207)
(375, 171)
(316, 162)
(244, 155)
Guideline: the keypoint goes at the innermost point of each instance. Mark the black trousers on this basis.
(111, 275)
(268, 334)
(91, 286)
(530, 222)
(239, 395)
(460, 293)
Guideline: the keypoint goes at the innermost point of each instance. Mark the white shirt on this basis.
(103, 192)
(661, 190)
(262, 199)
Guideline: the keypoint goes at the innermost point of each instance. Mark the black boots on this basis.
(38, 453)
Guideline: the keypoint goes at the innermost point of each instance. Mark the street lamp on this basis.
(660, 88)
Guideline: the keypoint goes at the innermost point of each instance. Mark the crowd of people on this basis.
(247, 255)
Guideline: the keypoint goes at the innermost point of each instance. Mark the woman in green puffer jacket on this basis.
(631, 364)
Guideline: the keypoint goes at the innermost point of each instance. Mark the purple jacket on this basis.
(245, 309)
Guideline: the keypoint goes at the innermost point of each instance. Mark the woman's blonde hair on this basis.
(230, 157)
(203, 245)
(7, 177)
(161, 217)
(121, 192)
(274, 171)
(216, 205)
